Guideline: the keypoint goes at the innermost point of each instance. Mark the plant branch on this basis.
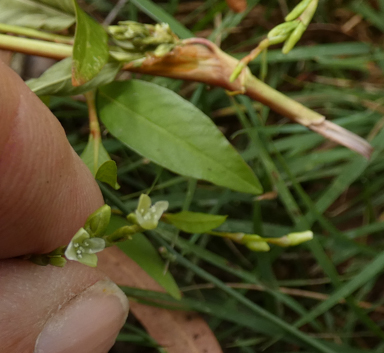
(200, 60)
(94, 126)
(35, 47)
(33, 33)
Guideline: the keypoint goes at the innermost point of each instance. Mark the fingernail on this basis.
(88, 323)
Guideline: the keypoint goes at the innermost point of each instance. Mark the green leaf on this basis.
(51, 15)
(140, 250)
(163, 127)
(194, 222)
(107, 173)
(99, 163)
(57, 79)
(90, 50)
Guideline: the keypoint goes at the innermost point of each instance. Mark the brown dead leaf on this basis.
(177, 331)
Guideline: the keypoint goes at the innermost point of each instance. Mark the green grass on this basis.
(319, 186)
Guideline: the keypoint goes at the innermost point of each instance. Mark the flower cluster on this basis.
(91, 239)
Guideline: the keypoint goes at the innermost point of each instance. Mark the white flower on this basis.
(148, 216)
(82, 248)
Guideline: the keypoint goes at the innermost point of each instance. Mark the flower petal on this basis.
(89, 260)
(78, 238)
(144, 204)
(94, 245)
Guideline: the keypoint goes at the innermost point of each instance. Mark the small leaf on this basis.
(140, 250)
(107, 173)
(194, 222)
(99, 163)
(90, 50)
(57, 79)
(51, 15)
(170, 131)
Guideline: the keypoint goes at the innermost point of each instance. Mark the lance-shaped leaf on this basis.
(90, 50)
(51, 15)
(99, 163)
(163, 127)
(57, 79)
(194, 222)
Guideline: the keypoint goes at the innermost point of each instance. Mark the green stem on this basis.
(35, 47)
(33, 33)
(122, 234)
(280, 103)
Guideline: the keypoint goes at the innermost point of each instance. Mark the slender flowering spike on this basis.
(98, 221)
(148, 216)
(82, 248)
(300, 237)
(303, 23)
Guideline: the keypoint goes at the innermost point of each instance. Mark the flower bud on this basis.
(282, 31)
(298, 10)
(98, 221)
(260, 246)
(57, 261)
(300, 237)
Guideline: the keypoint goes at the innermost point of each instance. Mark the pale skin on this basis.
(46, 194)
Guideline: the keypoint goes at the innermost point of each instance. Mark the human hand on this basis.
(46, 194)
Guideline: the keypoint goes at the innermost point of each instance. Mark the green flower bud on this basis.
(300, 237)
(294, 38)
(282, 31)
(260, 246)
(98, 221)
(298, 10)
(122, 234)
(57, 261)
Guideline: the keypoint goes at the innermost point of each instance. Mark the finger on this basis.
(46, 191)
(58, 310)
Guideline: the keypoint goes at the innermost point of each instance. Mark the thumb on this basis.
(46, 194)
(73, 309)
(46, 191)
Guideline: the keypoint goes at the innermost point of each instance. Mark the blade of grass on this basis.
(307, 340)
(157, 13)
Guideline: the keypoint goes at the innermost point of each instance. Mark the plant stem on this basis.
(199, 60)
(94, 126)
(258, 90)
(35, 47)
(280, 103)
(33, 33)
